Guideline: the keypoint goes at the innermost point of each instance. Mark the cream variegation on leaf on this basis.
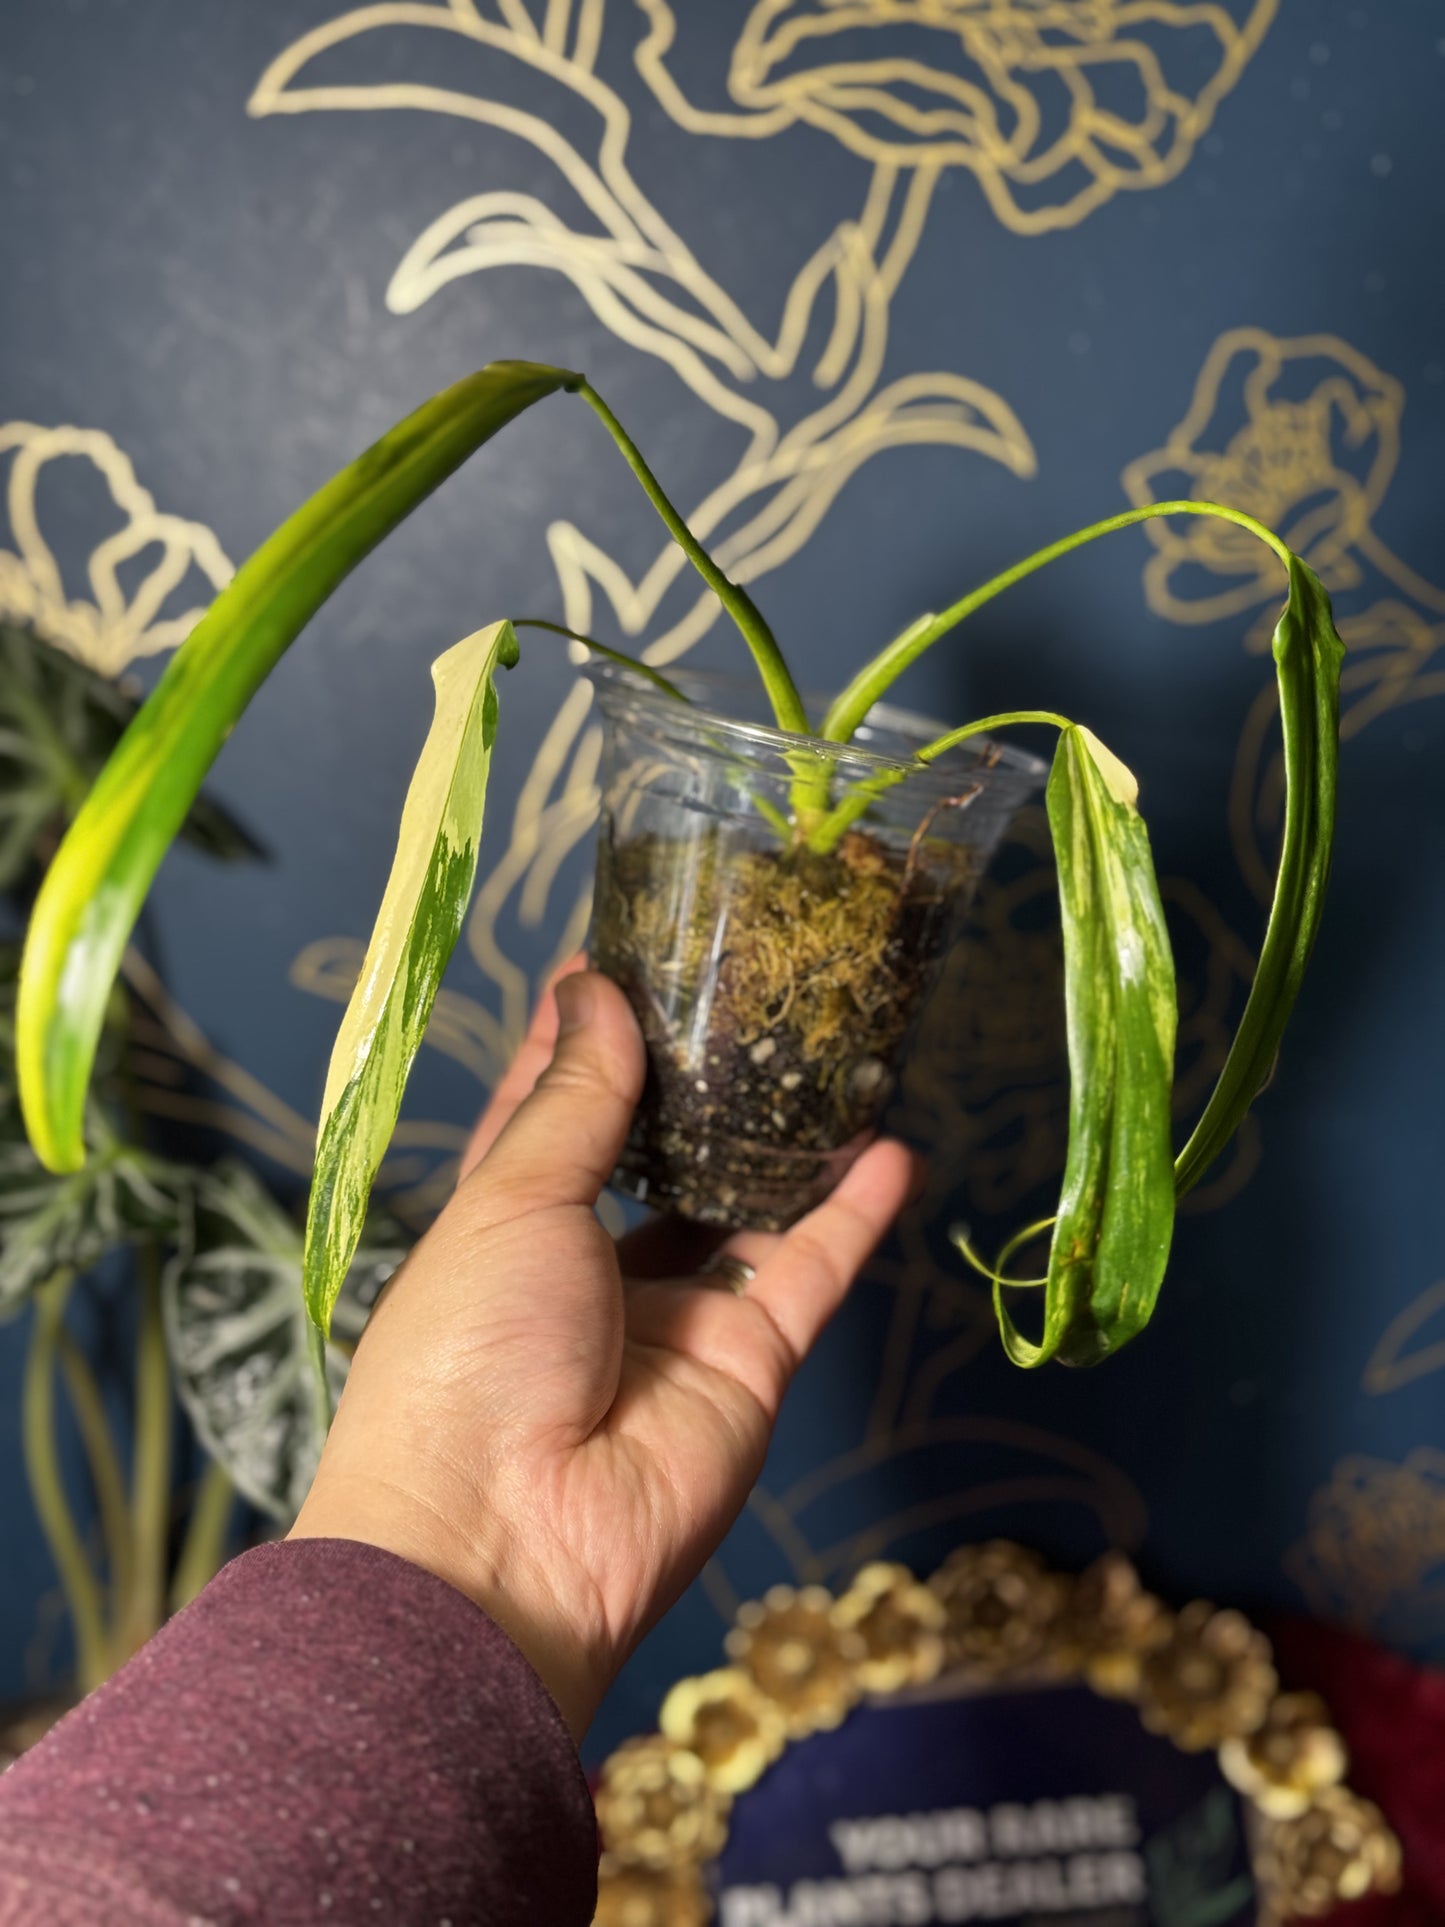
(415, 932)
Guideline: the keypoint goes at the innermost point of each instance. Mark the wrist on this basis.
(563, 1656)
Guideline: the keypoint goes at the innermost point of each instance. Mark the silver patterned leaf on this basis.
(237, 1328)
(48, 1223)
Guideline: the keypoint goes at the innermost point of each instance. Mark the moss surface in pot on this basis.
(832, 859)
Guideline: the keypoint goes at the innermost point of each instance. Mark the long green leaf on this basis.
(416, 928)
(93, 890)
(1308, 653)
(1116, 1212)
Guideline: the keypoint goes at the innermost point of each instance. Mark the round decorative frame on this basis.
(801, 1659)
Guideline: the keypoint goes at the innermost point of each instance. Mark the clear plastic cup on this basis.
(776, 984)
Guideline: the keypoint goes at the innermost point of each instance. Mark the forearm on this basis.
(328, 1732)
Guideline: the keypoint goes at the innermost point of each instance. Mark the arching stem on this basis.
(875, 679)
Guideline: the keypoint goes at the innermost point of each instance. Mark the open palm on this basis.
(561, 1425)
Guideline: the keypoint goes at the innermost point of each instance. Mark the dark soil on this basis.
(775, 988)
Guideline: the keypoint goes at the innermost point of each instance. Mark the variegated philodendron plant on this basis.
(1111, 1233)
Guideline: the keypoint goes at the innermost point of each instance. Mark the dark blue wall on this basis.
(1062, 271)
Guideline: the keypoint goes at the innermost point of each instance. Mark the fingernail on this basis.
(576, 1001)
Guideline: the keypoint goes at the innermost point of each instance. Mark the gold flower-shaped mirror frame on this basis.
(800, 1660)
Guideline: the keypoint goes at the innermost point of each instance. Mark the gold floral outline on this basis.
(113, 626)
(1283, 455)
(869, 107)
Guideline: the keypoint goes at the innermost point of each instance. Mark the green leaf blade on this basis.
(1116, 1212)
(94, 889)
(1308, 653)
(415, 932)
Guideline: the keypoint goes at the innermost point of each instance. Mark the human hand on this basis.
(561, 1426)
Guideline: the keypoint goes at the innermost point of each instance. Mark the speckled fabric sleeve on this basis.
(327, 1735)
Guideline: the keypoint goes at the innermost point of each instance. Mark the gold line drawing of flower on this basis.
(1373, 1550)
(1002, 1465)
(1303, 432)
(1055, 106)
(1412, 1345)
(135, 572)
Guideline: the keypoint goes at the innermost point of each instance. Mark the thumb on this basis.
(562, 1142)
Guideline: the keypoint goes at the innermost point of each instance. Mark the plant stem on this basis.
(1005, 719)
(323, 1408)
(103, 1461)
(768, 811)
(782, 691)
(654, 676)
(822, 832)
(151, 1466)
(47, 1485)
(203, 1551)
(877, 677)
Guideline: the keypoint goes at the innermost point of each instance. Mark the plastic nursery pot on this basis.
(776, 984)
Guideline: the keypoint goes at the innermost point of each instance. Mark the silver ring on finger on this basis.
(723, 1272)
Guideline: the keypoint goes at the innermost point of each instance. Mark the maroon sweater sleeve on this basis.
(327, 1735)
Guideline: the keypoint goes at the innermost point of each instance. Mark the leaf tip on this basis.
(54, 1125)
(1119, 779)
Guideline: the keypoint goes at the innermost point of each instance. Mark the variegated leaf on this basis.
(413, 938)
(1116, 1213)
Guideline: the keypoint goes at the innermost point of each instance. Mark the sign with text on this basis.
(1047, 1807)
